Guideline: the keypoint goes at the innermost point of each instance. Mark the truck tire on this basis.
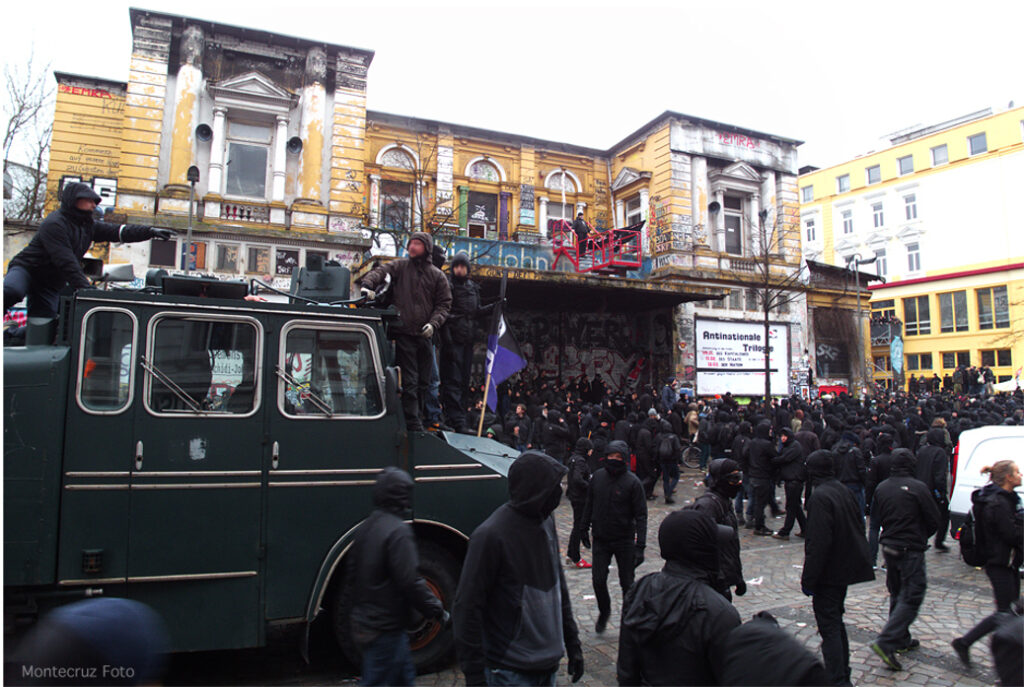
(432, 645)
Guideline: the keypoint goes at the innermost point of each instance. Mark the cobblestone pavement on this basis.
(958, 596)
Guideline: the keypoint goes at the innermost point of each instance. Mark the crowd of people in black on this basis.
(859, 477)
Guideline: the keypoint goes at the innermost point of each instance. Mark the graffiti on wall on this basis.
(623, 350)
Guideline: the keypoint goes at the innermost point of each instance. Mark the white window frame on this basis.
(878, 214)
(636, 213)
(913, 257)
(945, 149)
(910, 206)
(839, 183)
(881, 263)
(899, 164)
(867, 175)
(847, 219)
(268, 145)
(807, 193)
(812, 234)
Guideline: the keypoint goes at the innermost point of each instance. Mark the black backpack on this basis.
(665, 452)
(970, 536)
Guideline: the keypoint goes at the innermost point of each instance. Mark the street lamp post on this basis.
(856, 261)
(193, 177)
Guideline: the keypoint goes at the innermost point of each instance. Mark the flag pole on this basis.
(483, 408)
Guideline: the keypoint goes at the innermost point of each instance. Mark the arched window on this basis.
(558, 181)
(482, 170)
(396, 157)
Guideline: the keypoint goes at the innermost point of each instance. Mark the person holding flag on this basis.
(504, 358)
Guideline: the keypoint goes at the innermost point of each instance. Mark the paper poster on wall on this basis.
(730, 357)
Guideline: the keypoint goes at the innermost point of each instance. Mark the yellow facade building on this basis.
(934, 214)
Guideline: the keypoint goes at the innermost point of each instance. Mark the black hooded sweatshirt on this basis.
(760, 452)
(54, 254)
(759, 652)
(512, 608)
(674, 623)
(933, 462)
(904, 506)
(616, 505)
(387, 581)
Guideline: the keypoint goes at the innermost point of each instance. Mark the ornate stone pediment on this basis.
(738, 176)
(253, 91)
(627, 176)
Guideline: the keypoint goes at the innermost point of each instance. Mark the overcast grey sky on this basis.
(591, 73)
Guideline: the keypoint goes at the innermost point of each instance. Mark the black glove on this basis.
(638, 556)
(741, 588)
(576, 665)
(163, 234)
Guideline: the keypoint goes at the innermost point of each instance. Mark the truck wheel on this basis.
(430, 643)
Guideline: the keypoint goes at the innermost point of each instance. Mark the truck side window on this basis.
(105, 372)
(330, 373)
(204, 364)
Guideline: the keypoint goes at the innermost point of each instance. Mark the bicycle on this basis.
(691, 455)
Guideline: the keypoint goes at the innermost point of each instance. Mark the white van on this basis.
(975, 449)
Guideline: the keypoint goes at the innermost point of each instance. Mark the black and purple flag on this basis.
(504, 358)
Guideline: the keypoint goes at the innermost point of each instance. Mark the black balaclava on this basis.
(393, 492)
(690, 537)
(535, 484)
(71, 194)
(614, 466)
(903, 462)
(820, 465)
(717, 479)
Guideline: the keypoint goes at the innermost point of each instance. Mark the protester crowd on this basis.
(858, 479)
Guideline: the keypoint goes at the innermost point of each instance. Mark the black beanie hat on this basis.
(691, 537)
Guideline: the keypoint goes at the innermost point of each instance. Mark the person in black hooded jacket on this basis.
(674, 624)
(724, 481)
(851, 467)
(616, 516)
(790, 469)
(388, 585)
(576, 491)
(932, 469)
(457, 341)
(555, 436)
(513, 616)
(759, 652)
(53, 257)
(761, 450)
(908, 516)
(835, 556)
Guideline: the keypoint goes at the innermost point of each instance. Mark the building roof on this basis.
(68, 76)
(671, 114)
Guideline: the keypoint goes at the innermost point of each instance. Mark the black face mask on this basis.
(729, 489)
(553, 499)
(615, 467)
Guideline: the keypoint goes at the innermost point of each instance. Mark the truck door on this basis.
(93, 545)
(194, 537)
(330, 435)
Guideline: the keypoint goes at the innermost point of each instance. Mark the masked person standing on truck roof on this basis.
(53, 257)
(388, 585)
(1000, 522)
(424, 299)
(513, 614)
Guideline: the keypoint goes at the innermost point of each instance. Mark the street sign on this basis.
(896, 355)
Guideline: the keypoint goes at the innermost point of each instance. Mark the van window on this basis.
(203, 365)
(105, 369)
(329, 373)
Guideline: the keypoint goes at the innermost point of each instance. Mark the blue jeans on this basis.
(388, 661)
(504, 676)
(432, 403)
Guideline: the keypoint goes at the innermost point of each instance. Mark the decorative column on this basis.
(374, 200)
(719, 220)
(620, 213)
(280, 162)
(755, 224)
(463, 207)
(186, 106)
(645, 212)
(311, 126)
(503, 198)
(542, 217)
(215, 172)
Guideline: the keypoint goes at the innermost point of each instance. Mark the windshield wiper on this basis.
(320, 403)
(182, 395)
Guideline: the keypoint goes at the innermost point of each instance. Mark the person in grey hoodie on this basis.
(513, 615)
